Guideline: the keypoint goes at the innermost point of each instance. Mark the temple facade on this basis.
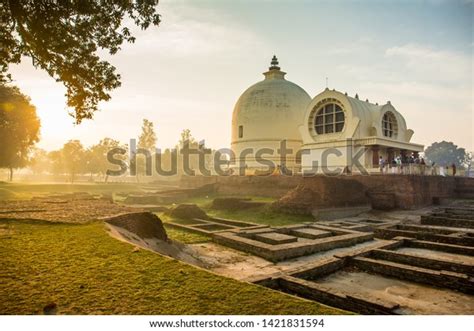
(340, 131)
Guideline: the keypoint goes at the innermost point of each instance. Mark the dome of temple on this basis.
(268, 112)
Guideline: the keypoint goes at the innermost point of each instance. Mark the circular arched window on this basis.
(329, 119)
(389, 125)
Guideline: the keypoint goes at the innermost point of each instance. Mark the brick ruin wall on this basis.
(402, 191)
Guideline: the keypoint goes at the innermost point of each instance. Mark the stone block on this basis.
(275, 238)
(311, 233)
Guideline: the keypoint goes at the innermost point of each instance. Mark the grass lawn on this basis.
(85, 271)
(32, 187)
(20, 190)
(185, 237)
(260, 215)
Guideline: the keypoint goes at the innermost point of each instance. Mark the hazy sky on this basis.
(190, 71)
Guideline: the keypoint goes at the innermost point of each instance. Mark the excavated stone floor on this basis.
(410, 297)
(422, 269)
(398, 262)
(415, 269)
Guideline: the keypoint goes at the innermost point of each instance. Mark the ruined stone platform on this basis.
(282, 243)
(211, 225)
(441, 234)
(364, 225)
(451, 216)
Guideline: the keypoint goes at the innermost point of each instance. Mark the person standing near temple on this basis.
(381, 164)
(422, 166)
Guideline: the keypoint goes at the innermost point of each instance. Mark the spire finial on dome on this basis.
(274, 71)
(274, 63)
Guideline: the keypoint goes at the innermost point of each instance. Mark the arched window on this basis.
(389, 125)
(329, 119)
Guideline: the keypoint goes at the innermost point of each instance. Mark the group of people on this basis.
(413, 165)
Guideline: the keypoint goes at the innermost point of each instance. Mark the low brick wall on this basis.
(408, 191)
(465, 187)
(269, 186)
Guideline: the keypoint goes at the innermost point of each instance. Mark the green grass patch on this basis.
(6, 194)
(184, 236)
(261, 215)
(44, 188)
(206, 201)
(181, 235)
(85, 271)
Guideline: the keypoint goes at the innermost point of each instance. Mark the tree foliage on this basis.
(72, 157)
(56, 162)
(446, 153)
(19, 128)
(40, 162)
(64, 37)
(147, 141)
(96, 156)
(186, 137)
(147, 138)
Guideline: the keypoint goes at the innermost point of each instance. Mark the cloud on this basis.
(414, 51)
(422, 91)
(426, 84)
(429, 63)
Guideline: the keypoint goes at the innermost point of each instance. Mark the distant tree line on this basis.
(74, 160)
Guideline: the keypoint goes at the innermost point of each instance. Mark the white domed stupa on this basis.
(265, 114)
